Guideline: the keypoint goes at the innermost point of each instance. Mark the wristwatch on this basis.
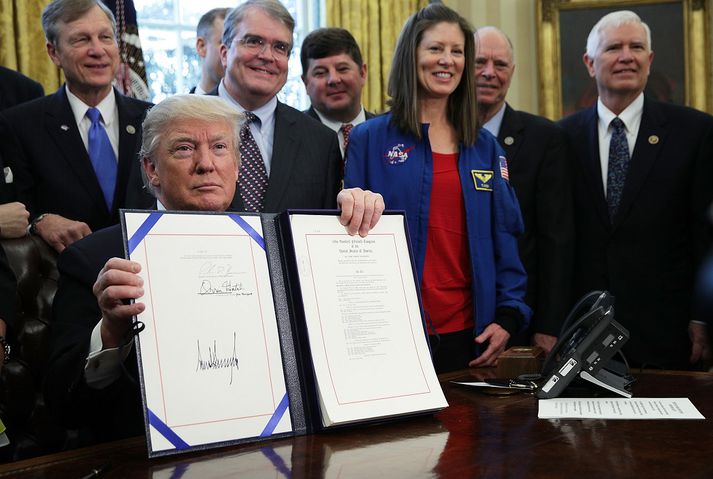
(6, 349)
(32, 229)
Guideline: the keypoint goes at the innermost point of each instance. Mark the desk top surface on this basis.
(477, 435)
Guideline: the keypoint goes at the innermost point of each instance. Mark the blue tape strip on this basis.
(166, 431)
(179, 471)
(276, 461)
(249, 230)
(143, 230)
(279, 412)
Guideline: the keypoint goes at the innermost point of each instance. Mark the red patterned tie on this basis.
(252, 179)
(346, 129)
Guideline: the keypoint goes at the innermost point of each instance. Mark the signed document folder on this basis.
(260, 326)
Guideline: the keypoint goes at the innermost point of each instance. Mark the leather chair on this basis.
(31, 429)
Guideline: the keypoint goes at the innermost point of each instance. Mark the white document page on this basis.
(365, 330)
(618, 408)
(211, 366)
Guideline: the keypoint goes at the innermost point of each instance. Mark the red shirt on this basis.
(446, 289)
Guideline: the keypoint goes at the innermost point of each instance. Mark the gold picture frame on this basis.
(685, 28)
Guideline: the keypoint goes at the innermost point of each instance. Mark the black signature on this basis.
(226, 287)
(214, 362)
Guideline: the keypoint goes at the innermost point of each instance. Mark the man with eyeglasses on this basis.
(289, 160)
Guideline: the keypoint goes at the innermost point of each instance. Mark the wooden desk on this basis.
(477, 436)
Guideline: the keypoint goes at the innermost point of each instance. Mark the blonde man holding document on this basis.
(190, 161)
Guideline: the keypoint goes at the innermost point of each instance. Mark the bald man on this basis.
(535, 150)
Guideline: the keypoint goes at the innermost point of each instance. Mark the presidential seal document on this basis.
(211, 368)
(369, 349)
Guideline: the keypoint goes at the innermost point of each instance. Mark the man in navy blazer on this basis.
(540, 174)
(647, 252)
(334, 75)
(301, 156)
(191, 161)
(47, 145)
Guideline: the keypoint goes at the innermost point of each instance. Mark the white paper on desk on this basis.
(618, 408)
(211, 366)
(364, 324)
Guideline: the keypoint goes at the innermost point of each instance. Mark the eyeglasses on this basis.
(256, 44)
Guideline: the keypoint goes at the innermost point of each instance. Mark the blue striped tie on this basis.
(618, 164)
(102, 155)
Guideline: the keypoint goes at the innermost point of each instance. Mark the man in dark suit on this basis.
(16, 88)
(334, 75)
(296, 158)
(642, 187)
(540, 174)
(208, 34)
(67, 193)
(190, 160)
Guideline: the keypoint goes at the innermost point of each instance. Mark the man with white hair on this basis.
(643, 183)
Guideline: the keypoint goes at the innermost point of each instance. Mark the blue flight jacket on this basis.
(384, 159)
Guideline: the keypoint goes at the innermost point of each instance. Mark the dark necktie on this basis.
(618, 164)
(102, 155)
(345, 129)
(253, 175)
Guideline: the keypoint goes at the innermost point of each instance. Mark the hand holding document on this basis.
(220, 356)
(210, 354)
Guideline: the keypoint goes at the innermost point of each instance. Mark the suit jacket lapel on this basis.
(511, 134)
(591, 167)
(62, 128)
(284, 145)
(646, 150)
(313, 113)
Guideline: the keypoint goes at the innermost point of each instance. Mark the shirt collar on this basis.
(337, 125)
(265, 113)
(493, 125)
(107, 107)
(631, 115)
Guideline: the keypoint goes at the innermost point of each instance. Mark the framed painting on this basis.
(681, 66)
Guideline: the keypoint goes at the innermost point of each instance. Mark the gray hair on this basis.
(205, 24)
(272, 8)
(205, 108)
(65, 11)
(614, 19)
(491, 28)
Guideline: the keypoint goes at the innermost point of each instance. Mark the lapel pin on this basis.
(509, 140)
(64, 127)
(130, 129)
(653, 139)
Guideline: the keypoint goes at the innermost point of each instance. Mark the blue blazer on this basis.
(382, 158)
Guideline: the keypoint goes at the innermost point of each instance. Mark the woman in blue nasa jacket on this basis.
(429, 157)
